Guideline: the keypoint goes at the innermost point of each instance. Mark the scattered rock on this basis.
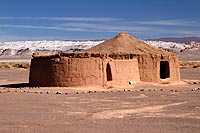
(131, 82)
(195, 89)
(58, 92)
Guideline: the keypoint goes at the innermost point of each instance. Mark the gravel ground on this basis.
(142, 108)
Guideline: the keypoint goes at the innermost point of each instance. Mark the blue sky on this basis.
(97, 19)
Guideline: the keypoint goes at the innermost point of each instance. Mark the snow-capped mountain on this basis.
(29, 47)
(19, 47)
(175, 47)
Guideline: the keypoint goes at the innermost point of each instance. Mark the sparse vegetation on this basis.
(189, 64)
(25, 65)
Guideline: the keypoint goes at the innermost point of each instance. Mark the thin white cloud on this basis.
(95, 19)
(170, 23)
(86, 27)
(41, 27)
(82, 27)
(185, 32)
(107, 27)
(143, 28)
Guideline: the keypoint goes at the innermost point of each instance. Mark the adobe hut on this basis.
(121, 60)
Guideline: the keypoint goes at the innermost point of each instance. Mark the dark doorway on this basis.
(164, 70)
(108, 72)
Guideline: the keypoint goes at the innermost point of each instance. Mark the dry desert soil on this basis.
(139, 108)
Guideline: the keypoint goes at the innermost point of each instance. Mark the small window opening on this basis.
(164, 70)
(108, 72)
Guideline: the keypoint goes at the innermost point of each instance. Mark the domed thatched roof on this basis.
(123, 43)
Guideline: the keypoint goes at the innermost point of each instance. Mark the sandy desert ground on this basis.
(139, 108)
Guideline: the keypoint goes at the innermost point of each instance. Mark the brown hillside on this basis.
(123, 43)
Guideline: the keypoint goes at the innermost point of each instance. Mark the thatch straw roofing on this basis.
(123, 43)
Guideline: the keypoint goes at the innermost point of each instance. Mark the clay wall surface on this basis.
(124, 71)
(174, 70)
(87, 70)
(149, 68)
(66, 71)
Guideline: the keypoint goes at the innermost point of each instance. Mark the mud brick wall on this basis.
(125, 71)
(66, 71)
(149, 68)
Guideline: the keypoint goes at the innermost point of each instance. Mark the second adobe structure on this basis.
(120, 60)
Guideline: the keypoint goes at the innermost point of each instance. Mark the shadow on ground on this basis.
(19, 85)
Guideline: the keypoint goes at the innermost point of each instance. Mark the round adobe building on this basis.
(120, 60)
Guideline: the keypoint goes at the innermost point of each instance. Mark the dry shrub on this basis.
(188, 64)
(5, 65)
(196, 64)
(22, 65)
(25, 65)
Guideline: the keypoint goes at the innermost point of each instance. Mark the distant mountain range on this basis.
(186, 40)
(24, 48)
